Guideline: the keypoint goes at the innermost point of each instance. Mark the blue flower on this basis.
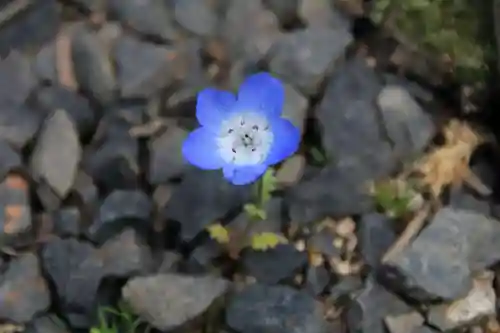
(242, 135)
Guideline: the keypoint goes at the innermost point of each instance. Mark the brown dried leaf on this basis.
(449, 164)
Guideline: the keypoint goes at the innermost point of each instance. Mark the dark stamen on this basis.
(234, 150)
(230, 131)
(255, 127)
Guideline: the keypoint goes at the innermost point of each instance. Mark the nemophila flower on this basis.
(242, 134)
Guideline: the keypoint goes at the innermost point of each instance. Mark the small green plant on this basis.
(256, 211)
(451, 28)
(113, 320)
(393, 197)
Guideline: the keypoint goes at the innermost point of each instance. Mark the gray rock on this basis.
(113, 161)
(322, 241)
(331, 192)
(438, 264)
(404, 323)
(375, 235)
(86, 192)
(273, 265)
(67, 222)
(15, 211)
(23, 290)
(166, 160)
(121, 209)
(28, 26)
(17, 79)
(359, 143)
(279, 309)
(148, 17)
(202, 198)
(249, 29)
(93, 70)
(57, 154)
(295, 108)
(153, 74)
(347, 286)
(18, 125)
(44, 64)
(10, 159)
(285, 10)
(479, 303)
(55, 97)
(304, 57)
(76, 269)
(322, 13)
(317, 278)
(371, 306)
(91, 5)
(167, 301)
(76, 275)
(47, 324)
(196, 16)
(408, 127)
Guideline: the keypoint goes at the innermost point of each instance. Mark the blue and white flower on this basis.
(242, 135)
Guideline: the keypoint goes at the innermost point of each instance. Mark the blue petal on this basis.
(286, 141)
(200, 149)
(243, 175)
(262, 92)
(212, 106)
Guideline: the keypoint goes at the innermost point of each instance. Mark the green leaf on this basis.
(218, 233)
(267, 240)
(268, 186)
(255, 212)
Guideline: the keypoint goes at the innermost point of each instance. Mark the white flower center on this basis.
(245, 139)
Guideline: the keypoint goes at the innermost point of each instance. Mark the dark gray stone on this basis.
(56, 155)
(322, 242)
(285, 10)
(10, 159)
(202, 198)
(196, 16)
(76, 269)
(93, 69)
(279, 309)
(121, 209)
(322, 13)
(375, 235)
(345, 287)
(166, 160)
(295, 108)
(249, 29)
(19, 124)
(15, 212)
(438, 264)
(91, 5)
(55, 97)
(273, 265)
(76, 275)
(317, 278)
(148, 17)
(367, 311)
(113, 161)
(360, 144)
(404, 323)
(167, 301)
(86, 192)
(303, 58)
(47, 324)
(67, 222)
(406, 124)
(154, 72)
(17, 79)
(23, 290)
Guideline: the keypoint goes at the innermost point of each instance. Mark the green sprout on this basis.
(450, 28)
(121, 318)
(256, 211)
(393, 198)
